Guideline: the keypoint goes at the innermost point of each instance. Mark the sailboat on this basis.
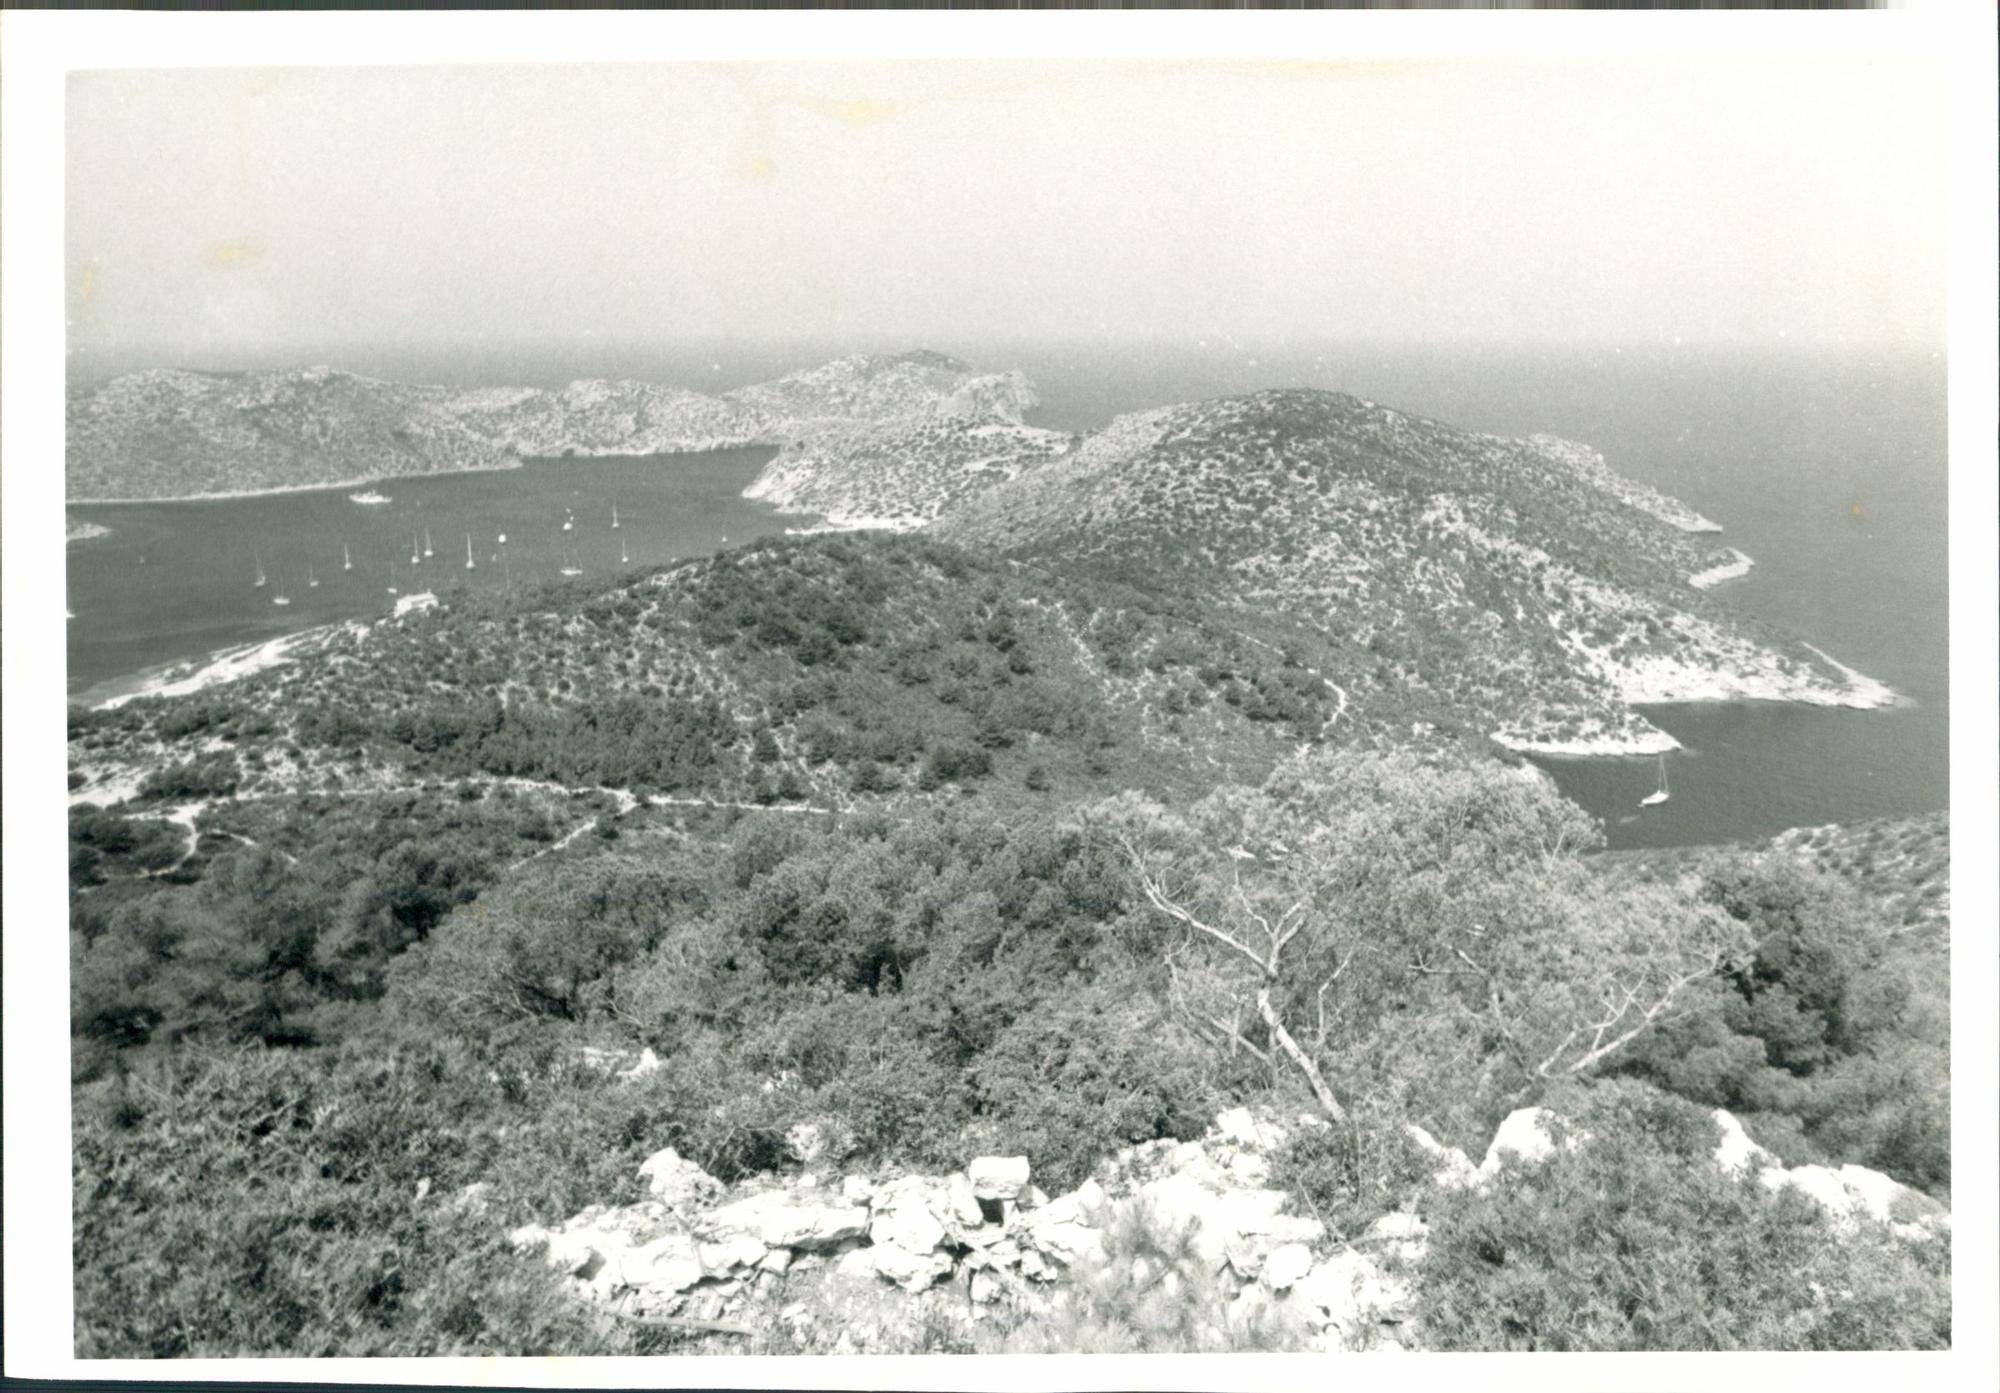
(312, 581)
(503, 539)
(569, 522)
(570, 568)
(392, 577)
(281, 599)
(614, 515)
(1660, 794)
(470, 564)
(415, 560)
(624, 558)
(346, 558)
(260, 571)
(427, 542)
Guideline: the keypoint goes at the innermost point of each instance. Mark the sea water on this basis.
(177, 581)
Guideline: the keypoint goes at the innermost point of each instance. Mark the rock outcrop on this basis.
(987, 1237)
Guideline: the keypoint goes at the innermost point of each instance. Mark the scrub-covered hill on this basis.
(175, 434)
(1518, 583)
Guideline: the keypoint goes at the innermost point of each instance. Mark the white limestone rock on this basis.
(780, 1219)
(678, 1182)
(1736, 1153)
(998, 1177)
(1285, 1265)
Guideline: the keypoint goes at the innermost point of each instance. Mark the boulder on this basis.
(998, 1177)
(1399, 1235)
(724, 1256)
(1736, 1153)
(906, 1221)
(857, 1265)
(1455, 1170)
(1528, 1135)
(1241, 1127)
(909, 1270)
(677, 1182)
(857, 1189)
(1885, 1198)
(1821, 1184)
(780, 1219)
(1063, 1230)
(961, 1202)
(984, 1287)
(670, 1263)
(648, 1063)
(1285, 1265)
(1350, 1292)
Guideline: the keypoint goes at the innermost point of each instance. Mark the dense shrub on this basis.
(1633, 1242)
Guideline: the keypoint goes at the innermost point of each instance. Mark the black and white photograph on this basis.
(1268, 700)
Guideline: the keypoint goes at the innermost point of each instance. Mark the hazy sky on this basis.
(214, 211)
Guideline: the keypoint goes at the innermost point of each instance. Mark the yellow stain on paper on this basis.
(224, 255)
(864, 111)
(86, 285)
(1855, 508)
(761, 168)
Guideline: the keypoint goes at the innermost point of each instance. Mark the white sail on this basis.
(470, 564)
(427, 543)
(346, 558)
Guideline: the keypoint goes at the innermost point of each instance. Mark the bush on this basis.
(1631, 1242)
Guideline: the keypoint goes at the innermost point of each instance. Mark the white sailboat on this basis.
(281, 599)
(569, 522)
(346, 558)
(427, 543)
(624, 558)
(261, 578)
(415, 559)
(614, 515)
(312, 581)
(1660, 794)
(470, 564)
(503, 539)
(570, 568)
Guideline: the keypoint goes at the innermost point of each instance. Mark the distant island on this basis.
(172, 434)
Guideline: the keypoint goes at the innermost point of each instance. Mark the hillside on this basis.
(175, 434)
(1521, 584)
(823, 669)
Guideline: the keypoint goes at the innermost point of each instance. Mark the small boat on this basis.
(346, 558)
(1660, 794)
(568, 523)
(614, 515)
(368, 498)
(427, 543)
(624, 559)
(312, 581)
(415, 559)
(570, 568)
(503, 539)
(470, 564)
(281, 599)
(261, 578)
